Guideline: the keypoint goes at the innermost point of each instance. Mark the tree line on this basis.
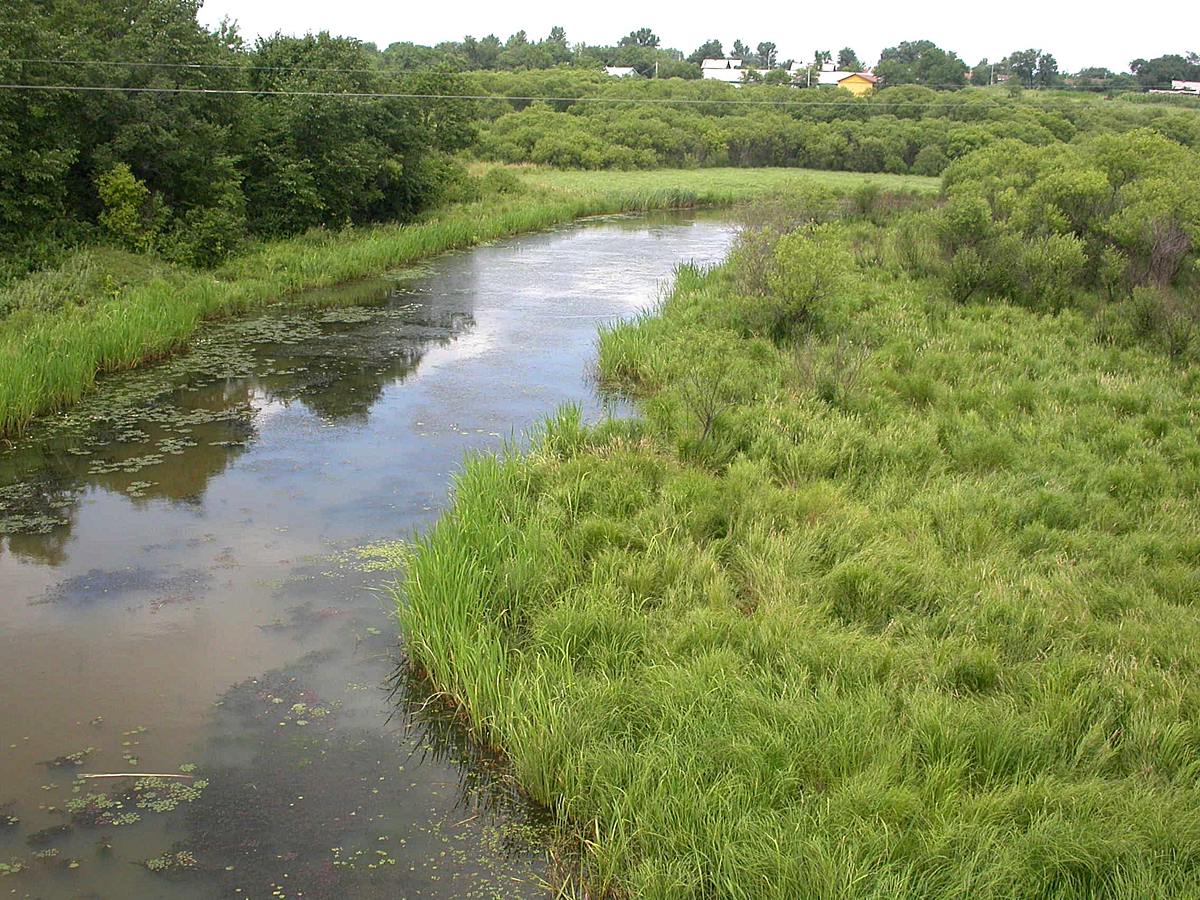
(156, 164)
(600, 122)
(143, 127)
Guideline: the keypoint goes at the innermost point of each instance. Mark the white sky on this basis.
(1097, 34)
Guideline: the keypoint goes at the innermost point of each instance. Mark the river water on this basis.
(191, 583)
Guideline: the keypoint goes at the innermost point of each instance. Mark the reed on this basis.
(926, 630)
(104, 311)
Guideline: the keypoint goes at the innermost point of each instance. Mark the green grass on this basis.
(727, 185)
(918, 618)
(103, 311)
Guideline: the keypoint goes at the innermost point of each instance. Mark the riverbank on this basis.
(119, 311)
(883, 595)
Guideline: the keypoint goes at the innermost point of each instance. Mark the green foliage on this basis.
(810, 266)
(1043, 224)
(925, 630)
(131, 216)
(909, 128)
(196, 173)
(921, 62)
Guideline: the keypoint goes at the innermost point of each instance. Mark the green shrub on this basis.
(808, 267)
(132, 217)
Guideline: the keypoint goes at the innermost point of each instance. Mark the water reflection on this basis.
(179, 586)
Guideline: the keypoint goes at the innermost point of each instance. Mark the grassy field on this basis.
(104, 311)
(897, 600)
(735, 184)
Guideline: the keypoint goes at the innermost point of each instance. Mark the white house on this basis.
(1191, 87)
(620, 71)
(728, 70)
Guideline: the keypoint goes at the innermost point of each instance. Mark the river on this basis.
(191, 583)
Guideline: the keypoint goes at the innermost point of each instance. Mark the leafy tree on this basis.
(1098, 78)
(1023, 65)
(711, 49)
(643, 37)
(984, 72)
(821, 57)
(921, 62)
(1162, 70)
(1047, 71)
(847, 60)
(678, 68)
(767, 53)
(741, 51)
(131, 216)
(484, 53)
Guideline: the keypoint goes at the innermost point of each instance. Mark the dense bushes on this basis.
(161, 165)
(906, 129)
(1111, 219)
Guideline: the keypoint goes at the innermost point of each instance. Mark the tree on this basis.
(643, 37)
(847, 60)
(1047, 71)
(767, 53)
(1098, 78)
(983, 72)
(1023, 65)
(821, 57)
(1162, 70)
(741, 51)
(921, 62)
(711, 49)
(484, 53)
(678, 68)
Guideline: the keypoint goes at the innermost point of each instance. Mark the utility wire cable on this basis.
(383, 69)
(402, 95)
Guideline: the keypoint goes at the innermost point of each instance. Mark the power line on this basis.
(865, 106)
(383, 69)
(403, 95)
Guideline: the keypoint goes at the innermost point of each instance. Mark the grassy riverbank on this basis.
(103, 311)
(884, 596)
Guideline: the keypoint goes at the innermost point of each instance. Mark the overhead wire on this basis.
(383, 70)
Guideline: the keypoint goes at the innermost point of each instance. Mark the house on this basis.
(728, 70)
(621, 71)
(1189, 87)
(857, 83)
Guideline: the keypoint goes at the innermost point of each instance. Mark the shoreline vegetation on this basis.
(890, 589)
(104, 310)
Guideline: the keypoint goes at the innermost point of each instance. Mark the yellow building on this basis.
(858, 83)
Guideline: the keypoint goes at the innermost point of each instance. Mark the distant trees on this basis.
(921, 62)
(643, 37)
(1033, 68)
(1160, 71)
(847, 60)
(1098, 78)
(711, 49)
(190, 174)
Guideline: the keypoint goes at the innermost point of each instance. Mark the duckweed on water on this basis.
(76, 759)
(173, 861)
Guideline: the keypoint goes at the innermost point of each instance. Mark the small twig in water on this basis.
(137, 775)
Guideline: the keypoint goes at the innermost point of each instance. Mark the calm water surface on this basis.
(184, 586)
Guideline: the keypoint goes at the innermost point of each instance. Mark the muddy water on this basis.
(189, 585)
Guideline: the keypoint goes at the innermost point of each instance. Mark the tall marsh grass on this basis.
(67, 327)
(914, 615)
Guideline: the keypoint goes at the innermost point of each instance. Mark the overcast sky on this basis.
(1096, 34)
